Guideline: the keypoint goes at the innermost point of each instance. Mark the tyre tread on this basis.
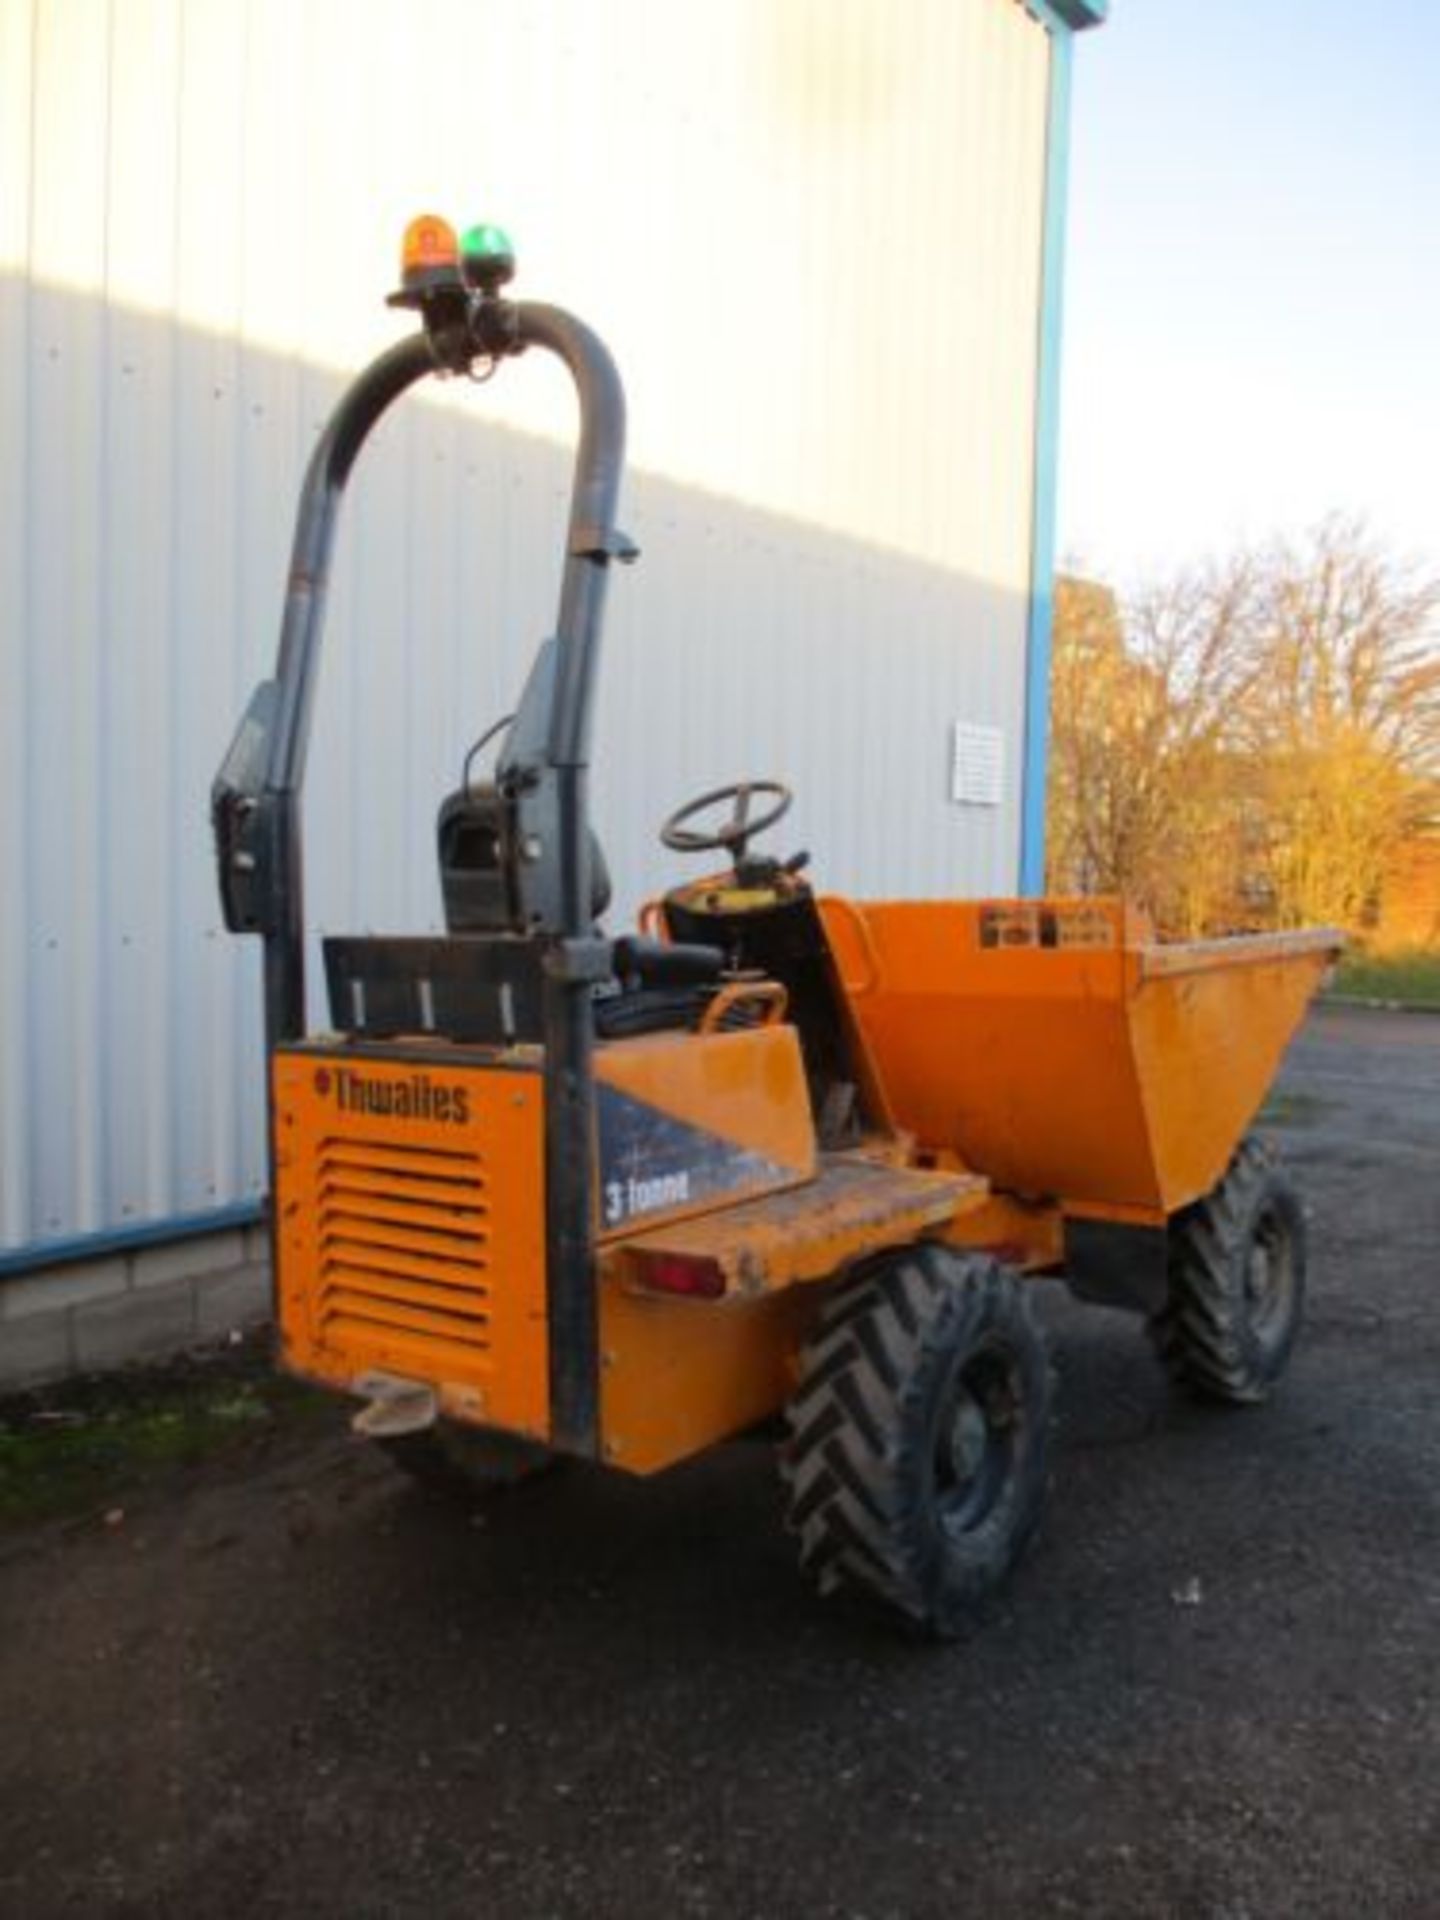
(846, 1463)
(1199, 1334)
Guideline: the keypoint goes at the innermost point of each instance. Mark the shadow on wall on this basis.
(149, 477)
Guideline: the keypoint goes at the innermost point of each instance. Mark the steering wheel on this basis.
(738, 831)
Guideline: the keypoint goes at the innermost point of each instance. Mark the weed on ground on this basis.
(83, 1443)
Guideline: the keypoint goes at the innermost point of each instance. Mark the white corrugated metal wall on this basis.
(811, 233)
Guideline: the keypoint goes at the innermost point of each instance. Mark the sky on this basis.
(1252, 326)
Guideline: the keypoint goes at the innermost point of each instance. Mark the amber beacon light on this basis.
(429, 254)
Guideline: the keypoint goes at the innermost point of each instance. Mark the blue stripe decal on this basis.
(1047, 450)
(653, 1164)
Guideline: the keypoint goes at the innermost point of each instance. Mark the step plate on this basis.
(854, 1206)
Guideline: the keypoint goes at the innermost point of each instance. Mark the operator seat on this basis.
(660, 986)
(476, 878)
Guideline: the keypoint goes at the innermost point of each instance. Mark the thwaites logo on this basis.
(416, 1097)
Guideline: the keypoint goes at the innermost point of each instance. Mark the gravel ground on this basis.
(294, 1684)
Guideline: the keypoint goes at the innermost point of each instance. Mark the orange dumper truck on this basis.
(541, 1189)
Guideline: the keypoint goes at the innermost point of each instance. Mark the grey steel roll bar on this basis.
(256, 796)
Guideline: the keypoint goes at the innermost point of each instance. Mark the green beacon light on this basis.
(487, 257)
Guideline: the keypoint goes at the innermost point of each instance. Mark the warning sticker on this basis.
(1028, 924)
(1016, 926)
(1083, 927)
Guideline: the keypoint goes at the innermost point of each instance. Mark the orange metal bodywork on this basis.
(680, 1374)
(413, 1242)
(1058, 1049)
(746, 1088)
(676, 1376)
(855, 1204)
(1033, 1061)
(1026, 1235)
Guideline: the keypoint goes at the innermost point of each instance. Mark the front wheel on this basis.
(917, 1459)
(1237, 1267)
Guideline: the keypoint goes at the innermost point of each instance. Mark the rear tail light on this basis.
(691, 1274)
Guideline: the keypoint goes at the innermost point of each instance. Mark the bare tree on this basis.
(1141, 795)
(1248, 742)
(1343, 720)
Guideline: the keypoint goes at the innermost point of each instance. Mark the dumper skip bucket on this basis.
(1058, 1048)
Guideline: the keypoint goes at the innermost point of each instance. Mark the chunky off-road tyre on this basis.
(1236, 1283)
(916, 1462)
(466, 1463)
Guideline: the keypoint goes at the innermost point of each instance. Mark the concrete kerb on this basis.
(98, 1315)
(1354, 1002)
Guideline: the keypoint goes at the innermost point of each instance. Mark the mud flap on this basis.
(1113, 1264)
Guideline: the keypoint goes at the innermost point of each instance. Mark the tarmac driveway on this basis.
(304, 1687)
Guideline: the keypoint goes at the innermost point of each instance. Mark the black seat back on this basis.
(480, 864)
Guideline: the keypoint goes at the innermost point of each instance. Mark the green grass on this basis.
(86, 1444)
(1412, 976)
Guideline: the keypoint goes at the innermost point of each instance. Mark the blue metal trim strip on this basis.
(1071, 16)
(1047, 462)
(147, 1233)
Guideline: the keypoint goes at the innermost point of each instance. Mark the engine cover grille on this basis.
(404, 1245)
(411, 1227)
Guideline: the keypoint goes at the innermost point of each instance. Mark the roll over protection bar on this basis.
(255, 801)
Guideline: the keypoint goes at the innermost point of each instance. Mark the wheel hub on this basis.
(1269, 1279)
(969, 1436)
(975, 1441)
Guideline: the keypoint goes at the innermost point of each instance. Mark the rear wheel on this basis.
(1237, 1265)
(917, 1459)
(466, 1463)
